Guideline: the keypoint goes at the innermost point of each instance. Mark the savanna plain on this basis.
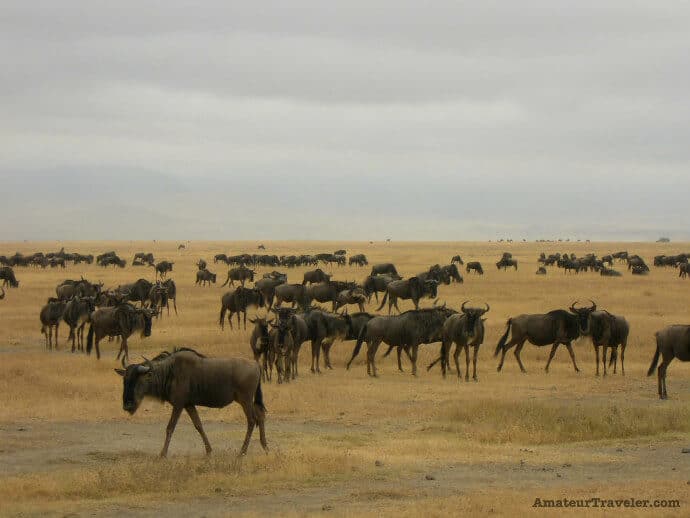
(342, 443)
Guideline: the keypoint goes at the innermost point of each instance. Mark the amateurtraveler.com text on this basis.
(608, 503)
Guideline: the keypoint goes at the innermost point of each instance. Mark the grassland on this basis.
(344, 444)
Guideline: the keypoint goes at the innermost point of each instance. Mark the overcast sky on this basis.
(254, 120)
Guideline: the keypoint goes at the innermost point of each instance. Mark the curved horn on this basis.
(572, 306)
(462, 308)
(435, 302)
(594, 305)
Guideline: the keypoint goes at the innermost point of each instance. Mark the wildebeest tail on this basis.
(502, 341)
(89, 339)
(383, 302)
(259, 397)
(655, 360)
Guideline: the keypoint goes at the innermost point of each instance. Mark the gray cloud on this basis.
(446, 121)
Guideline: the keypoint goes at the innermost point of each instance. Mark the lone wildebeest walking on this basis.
(185, 379)
(556, 327)
(50, 316)
(671, 342)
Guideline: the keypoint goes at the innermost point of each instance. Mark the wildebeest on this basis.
(163, 268)
(465, 329)
(292, 293)
(158, 298)
(259, 341)
(324, 329)
(621, 256)
(241, 274)
(351, 296)
(671, 342)
(144, 258)
(541, 271)
(238, 301)
(378, 269)
(187, 379)
(607, 330)
(267, 286)
(683, 270)
(8, 278)
(50, 316)
(220, 257)
(201, 264)
(451, 272)
(137, 291)
(358, 259)
(112, 259)
(506, 262)
(171, 294)
(204, 277)
(456, 259)
(412, 288)
(374, 284)
(2, 295)
(327, 292)
(315, 276)
(637, 261)
(609, 272)
(81, 288)
(76, 314)
(556, 327)
(121, 320)
(408, 330)
(474, 266)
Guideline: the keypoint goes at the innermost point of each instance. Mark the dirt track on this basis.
(37, 447)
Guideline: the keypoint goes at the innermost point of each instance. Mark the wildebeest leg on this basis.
(413, 357)
(170, 429)
(572, 355)
(327, 354)
(194, 415)
(474, 362)
(518, 350)
(622, 360)
(551, 355)
(238, 319)
(372, 347)
(125, 348)
(399, 352)
(456, 358)
(244, 320)
(56, 336)
(248, 407)
(361, 306)
(467, 362)
(596, 351)
(661, 372)
(230, 313)
(315, 349)
(605, 347)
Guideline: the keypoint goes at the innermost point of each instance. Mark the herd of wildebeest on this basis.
(186, 378)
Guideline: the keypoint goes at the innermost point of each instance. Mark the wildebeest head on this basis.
(583, 316)
(136, 379)
(473, 316)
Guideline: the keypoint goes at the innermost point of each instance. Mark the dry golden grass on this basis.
(327, 432)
